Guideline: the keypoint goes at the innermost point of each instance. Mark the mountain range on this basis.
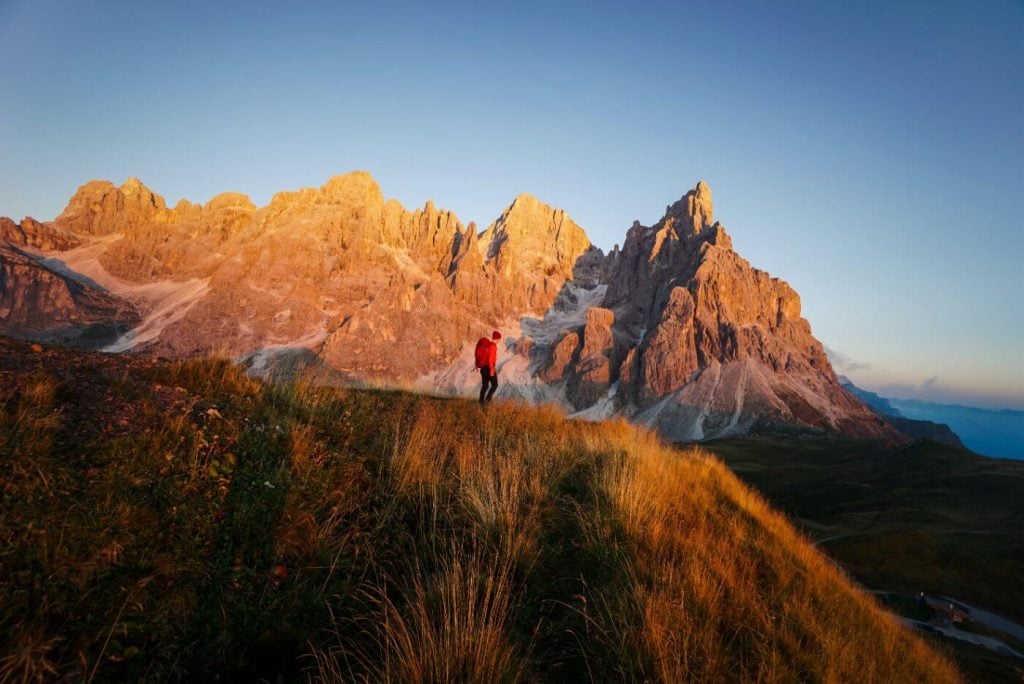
(674, 329)
(993, 432)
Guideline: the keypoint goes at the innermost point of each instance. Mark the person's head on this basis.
(495, 335)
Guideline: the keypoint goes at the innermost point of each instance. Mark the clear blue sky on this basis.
(870, 153)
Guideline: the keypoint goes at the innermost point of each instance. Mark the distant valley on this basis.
(992, 432)
(929, 518)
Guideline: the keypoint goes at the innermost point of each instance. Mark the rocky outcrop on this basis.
(711, 346)
(337, 269)
(40, 303)
(533, 249)
(669, 353)
(674, 329)
(101, 208)
(35, 235)
(593, 371)
(562, 355)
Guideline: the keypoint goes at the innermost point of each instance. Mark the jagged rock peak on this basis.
(134, 188)
(533, 236)
(132, 185)
(695, 208)
(357, 188)
(35, 235)
(530, 206)
(100, 207)
(525, 198)
(528, 219)
(95, 190)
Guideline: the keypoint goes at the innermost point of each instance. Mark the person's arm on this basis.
(494, 358)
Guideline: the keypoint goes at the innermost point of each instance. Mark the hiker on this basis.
(487, 362)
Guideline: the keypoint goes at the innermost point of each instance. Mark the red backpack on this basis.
(483, 352)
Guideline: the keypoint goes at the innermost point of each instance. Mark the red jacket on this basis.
(486, 354)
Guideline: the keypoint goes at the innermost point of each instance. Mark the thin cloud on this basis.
(931, 389)
(843, 363)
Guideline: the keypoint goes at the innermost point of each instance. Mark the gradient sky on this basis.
(870, 153)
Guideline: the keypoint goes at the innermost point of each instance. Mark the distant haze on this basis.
(987, 431)
(871, 154)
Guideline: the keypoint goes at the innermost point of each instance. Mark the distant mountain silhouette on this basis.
(916, 429)
(993, 432)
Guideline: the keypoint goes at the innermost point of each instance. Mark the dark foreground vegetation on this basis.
(181, 521)
(929, 518)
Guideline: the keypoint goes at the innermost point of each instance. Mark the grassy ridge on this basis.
(181, 520)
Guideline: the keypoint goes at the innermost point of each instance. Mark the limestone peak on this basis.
(132, 186)
(672, 321)
(532, 225)
(230, 200)
(353, 185)
(694, 209)
(526, 199)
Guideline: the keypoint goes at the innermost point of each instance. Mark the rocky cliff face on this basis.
(335, 269)
(35, 235)
(38, 301)
(536, 248)
(675, 329)
(698, 343)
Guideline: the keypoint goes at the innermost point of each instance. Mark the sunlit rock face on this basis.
(32, 234)
(675, 329)
(374, 290)
(533, 248)
(700, 344)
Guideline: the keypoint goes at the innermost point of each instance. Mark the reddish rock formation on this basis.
(719, 346)
(533, 248)
(675, 328)
(562, 355)
(670, 351)
(39, 302)
(35, 235)
(337, 269)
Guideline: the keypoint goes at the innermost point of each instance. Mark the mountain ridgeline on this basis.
(674, 330)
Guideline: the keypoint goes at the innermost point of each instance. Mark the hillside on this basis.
(179, 519)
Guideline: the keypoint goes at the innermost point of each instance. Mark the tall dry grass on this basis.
(475, 486)
(728, 590)
(26, 431)
(707, 582)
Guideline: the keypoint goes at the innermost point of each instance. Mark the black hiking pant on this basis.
(487, 380)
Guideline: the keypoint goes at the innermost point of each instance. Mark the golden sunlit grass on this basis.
(713, 584)
(711, 565)
(305, 532)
